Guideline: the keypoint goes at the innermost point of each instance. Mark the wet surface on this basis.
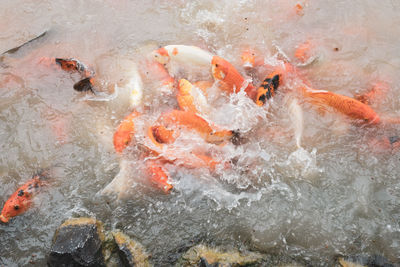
(338, 195)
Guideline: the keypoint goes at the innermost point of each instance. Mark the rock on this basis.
(204, 256)
(78, 242)
(130, 252)
(364, 261)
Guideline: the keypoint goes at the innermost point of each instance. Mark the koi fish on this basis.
(343, 104)
(74, 65)
(125, 132)
(21, 200)
(71, 65)
(158, 175)
(225, 72)
(191, 98)
(183, 54)
(248, 59)
(268, 87)
(179, 118)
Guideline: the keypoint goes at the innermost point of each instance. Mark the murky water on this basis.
(337, 196)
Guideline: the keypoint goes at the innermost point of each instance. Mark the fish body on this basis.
(21, 200)
(179, 118)
(232, 80)
(348, 106)
(191, 98)
(248, 59)
(125, 132)
(183, 54)
(268, 87)
(158, 175)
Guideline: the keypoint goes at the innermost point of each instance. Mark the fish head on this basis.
(161, 55)
(220, 68)
(184, 86)
(18, 203)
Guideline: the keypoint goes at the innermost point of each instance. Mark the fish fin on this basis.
(84, 85)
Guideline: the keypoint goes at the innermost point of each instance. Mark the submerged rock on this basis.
(364, 261)
(130, 252)
(78, 242)
(204, 256)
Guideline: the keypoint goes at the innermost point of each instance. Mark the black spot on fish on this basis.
(275, 81)
(36, 185)
(269, 93)
(262, 98)
(16, 207)
(20, 193)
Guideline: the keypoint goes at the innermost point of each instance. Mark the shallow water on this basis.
(337, 196)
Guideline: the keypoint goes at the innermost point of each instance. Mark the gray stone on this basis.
(78, 242)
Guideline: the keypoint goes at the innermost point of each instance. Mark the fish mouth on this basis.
(4, 219)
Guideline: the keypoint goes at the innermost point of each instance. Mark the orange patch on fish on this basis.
(125, 132)
(158, 175)
(225, 72)
(184, 96)
(163, 52)
(248, 58)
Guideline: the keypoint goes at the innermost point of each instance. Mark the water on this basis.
(335, 196)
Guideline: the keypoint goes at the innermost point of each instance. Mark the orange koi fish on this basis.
(248, 58)
(268, 87)
(74, 65)
(191, 98)
(225, 72)
(124, 133)
(178, 118)
(344, 104)
(71, 65)
(158, 175)
(21, 200)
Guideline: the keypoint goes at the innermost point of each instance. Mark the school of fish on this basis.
(190, 116)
